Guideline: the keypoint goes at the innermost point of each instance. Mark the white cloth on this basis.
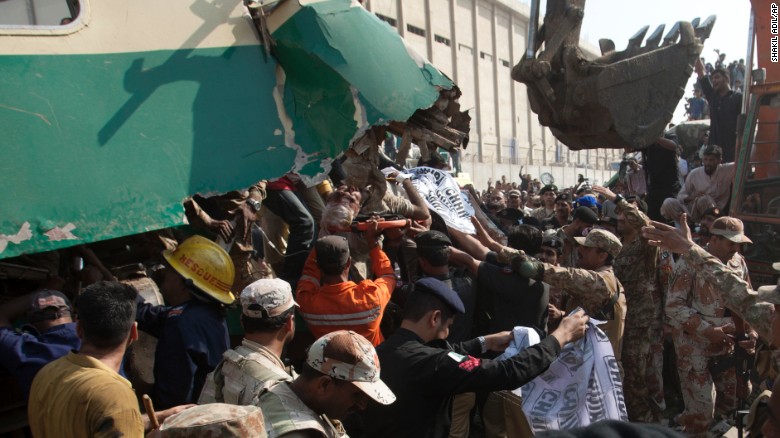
(682, 170)
(581, 387)
(443, 195)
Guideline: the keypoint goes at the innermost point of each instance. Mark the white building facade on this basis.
(476, 43)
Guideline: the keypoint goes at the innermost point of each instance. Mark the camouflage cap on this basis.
(215, 420)
(602, 239)
(364, 374)
(266, 298)
(731, 228)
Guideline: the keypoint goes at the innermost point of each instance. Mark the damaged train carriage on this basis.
(117, 111)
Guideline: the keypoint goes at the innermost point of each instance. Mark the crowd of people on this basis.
(392, 319)
(353, 307)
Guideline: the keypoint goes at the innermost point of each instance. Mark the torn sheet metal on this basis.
(103, 140)
(346, 70)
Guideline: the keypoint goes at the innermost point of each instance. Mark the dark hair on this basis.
(266, 325)
(608, 261)
(525, 238)
(722, 71)
(418, 304)
(106, 313)
(713, 150)
(435, 256)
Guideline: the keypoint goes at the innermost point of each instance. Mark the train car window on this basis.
(38, 12)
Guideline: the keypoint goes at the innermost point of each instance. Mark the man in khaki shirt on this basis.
(82, 394)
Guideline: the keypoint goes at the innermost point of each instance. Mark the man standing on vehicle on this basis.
(708, 185)
(725, 107)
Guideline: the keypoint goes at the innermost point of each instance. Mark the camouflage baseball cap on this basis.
(602, 239)
(266, 298)
(364, 374)
(215, 420)
(731, 228)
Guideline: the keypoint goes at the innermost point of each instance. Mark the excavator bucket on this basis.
(623, 99)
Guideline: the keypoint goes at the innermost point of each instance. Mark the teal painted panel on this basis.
(107, 145)
(327, 47)
(113, 143)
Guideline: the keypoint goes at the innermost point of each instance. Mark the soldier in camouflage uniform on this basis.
(216, 420)
(741, 299)
(582, 219)
(699, 320)
(593, 286)
(635, 267)
(268, 318)
(341, 373)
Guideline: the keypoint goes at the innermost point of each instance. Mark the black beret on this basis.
(441, 291)
(432, 239)
(563, 196)
(586, 214)
(548, 188)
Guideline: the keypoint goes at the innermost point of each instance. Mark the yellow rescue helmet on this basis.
(207, 265)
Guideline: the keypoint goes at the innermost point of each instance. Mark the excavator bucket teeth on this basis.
(655, 38)
(704, 29)
(620, 100)
(672, 35)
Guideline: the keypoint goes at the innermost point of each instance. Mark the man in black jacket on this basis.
(425, 372)
(725, 106)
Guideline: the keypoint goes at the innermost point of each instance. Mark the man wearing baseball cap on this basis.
(49, 334)
(268, 319)
(592, 285)
(340, 377)
(697, 314)
(330, 301)
(755, 308)
(425, 372)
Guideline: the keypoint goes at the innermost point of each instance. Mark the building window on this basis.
(465, 48)
(416, 30)
(391, 21)
(441, 39)
(486, 56)
(505, 63)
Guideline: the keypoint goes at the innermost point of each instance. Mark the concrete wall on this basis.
(476, 43)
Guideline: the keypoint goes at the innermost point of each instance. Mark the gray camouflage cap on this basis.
(364, 374)
(601, 239)
(266, 298)
(215, 420)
